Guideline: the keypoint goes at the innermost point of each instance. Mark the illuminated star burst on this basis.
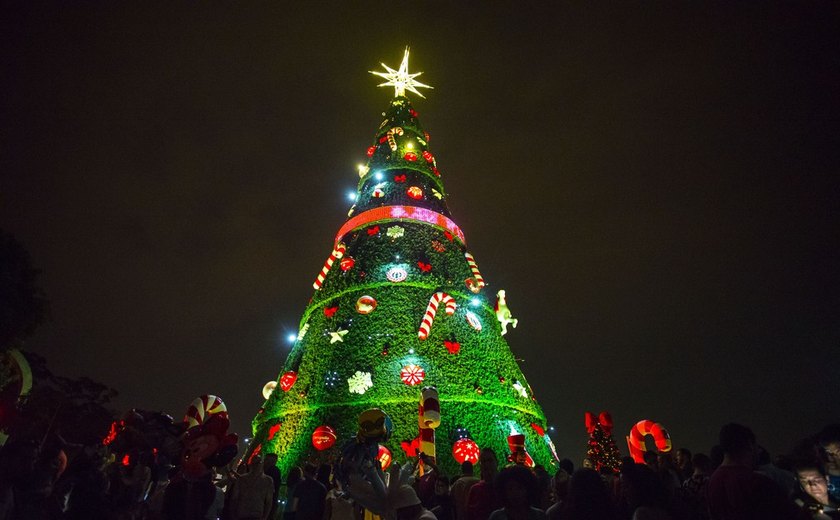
(400, 79)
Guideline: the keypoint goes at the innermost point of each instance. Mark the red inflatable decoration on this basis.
(323, 438)
(465, 450)
(384, 457)
(636, 439)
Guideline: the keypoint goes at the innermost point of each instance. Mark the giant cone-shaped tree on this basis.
(359, 343)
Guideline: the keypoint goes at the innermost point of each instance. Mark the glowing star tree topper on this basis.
(400, 79)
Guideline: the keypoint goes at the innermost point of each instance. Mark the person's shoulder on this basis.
(498, 514)
(537, 514)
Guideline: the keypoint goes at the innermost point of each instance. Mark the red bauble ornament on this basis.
(329, 312)
(412, 375)
(323, 438)
(371, 151)
(347, 263)
(415, 192)
(287, 380)
(465, 450)
(428, 156)
(410, 156)
(384, 457)
(412, 112)
(436, 171)
(383, 139)
(427, 136)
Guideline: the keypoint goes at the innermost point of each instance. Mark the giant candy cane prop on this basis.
(428, 419)
(636, 439)
(476, 282)
(431, 311)
(337, 253)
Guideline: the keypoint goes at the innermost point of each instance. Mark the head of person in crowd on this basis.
(517, 487)
(488, 464)
(587, 496)
(738, 444)
(406, 504)
(716, 456)
(255, 465)
(270, 460)
(702, 464)
(682, 458)
(442, 485)
(323, 475)
(829, 440)
(642, 487)
(587, 463)
(467, 468)
(295, 476)
(560, 485)
(309, 470)
(651, 459)
(813, 481)
(568, 466)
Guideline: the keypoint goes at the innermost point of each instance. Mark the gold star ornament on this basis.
(400, 79)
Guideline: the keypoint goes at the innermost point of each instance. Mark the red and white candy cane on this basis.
(337, 253)
(431, 311)
(202, 408)
(477, 282)
(392, 142)
(428, 418)
(636, 439)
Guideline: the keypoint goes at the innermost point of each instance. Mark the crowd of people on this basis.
(737, 479)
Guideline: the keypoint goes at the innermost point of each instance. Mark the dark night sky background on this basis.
(654, 185)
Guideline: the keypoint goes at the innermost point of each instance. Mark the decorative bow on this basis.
(605, 420)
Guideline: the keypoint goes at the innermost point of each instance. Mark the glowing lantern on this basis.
(465, 450)
(384, 457)
(412, 374)
(415, 192)
(287, 380)
(323, 438)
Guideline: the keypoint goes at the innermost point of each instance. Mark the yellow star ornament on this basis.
(400, 79)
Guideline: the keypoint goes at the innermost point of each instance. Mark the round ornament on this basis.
(365, 304)
(412, 375)
(384, 457)
(371, 151)
(415, 192)
(378, 193)
(323, 438)
(410, 156)
(396, 274)
(268, 388)
(287, 380)
(465, 450)
(428, 156)
(347, 263)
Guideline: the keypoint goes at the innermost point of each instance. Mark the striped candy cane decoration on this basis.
(477, 282)
(431, 311)
(202, 408)
(428, 419)
(337, 253)
(392, 142)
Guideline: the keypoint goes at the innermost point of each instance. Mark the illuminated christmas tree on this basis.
(601, 448)
(400, 304)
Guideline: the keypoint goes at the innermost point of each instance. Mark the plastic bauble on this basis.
(465, 450)
(365, 305)
(323, 437)
(384, 457)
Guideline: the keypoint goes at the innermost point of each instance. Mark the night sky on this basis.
(655, 187)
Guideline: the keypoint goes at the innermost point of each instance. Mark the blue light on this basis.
(411, 351)
(475, 302)
(351, 196)
(378, 176)
(291, 338)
